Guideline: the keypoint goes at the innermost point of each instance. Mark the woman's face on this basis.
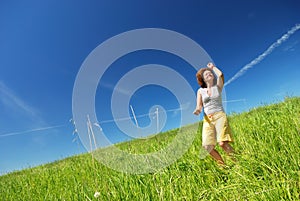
(207, 76)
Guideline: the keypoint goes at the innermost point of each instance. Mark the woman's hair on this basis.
(199, 76)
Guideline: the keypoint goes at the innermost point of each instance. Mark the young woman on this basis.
(215, 125)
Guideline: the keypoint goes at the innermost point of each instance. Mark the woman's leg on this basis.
(226, 147)
(215, 154)
(209, 137)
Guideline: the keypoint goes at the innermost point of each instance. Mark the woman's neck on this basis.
(209, 84)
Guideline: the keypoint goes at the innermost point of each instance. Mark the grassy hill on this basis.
(267, 141)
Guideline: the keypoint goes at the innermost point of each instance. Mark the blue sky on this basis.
(43, 44)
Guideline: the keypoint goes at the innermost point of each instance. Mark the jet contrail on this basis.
(31, 130)
(237, 100)
(266, 53)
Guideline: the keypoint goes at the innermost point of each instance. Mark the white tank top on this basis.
(213, 103)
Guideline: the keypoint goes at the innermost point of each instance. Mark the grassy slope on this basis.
(267, 142)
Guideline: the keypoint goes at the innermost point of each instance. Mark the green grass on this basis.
(267, 142)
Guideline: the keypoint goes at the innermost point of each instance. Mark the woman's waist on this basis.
(214, 115)
(213, 110)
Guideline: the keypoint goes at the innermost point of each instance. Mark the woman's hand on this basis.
(197, 111)
(220, 76)
(210, 65)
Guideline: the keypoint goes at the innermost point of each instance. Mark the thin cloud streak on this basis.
(232, 101)
(10, 99)
(112, 88)
(264, 54)
(182, 107)
(30, 131)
